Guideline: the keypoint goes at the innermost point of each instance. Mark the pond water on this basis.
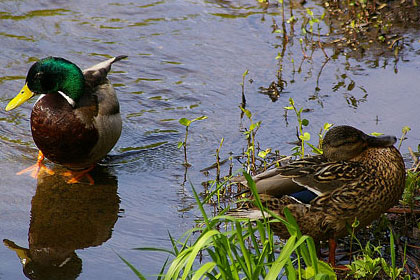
(185, 59)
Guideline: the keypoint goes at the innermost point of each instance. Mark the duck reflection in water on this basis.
(64, 218)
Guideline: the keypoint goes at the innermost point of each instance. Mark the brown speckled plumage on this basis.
(362, 186)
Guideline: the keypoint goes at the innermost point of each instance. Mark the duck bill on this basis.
(381, 141)
(19, 99)
(21, 252)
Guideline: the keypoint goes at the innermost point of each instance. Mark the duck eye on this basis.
(47, 80)
(39, 75)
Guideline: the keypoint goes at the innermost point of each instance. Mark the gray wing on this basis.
(96, 74)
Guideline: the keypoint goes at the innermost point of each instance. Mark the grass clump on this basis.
(241, 250)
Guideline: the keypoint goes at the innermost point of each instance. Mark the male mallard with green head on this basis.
(76, 120)
(358, 176)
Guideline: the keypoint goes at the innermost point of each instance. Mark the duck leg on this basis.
(37, 167)
(332, 246)
(75, 176)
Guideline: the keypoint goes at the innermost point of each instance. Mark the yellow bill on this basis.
(22, 253)
(22, 96)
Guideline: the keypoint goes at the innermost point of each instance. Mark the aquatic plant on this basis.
(304, 137)
(186, 122)
(370, 262)
(250, 136)
(240, 251)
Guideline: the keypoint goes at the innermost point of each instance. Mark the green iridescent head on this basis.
(51, 75)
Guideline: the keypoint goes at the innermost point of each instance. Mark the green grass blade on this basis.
(163, 269)
(155, 250)
(199, 245)
(173, 242)
(203, 270)
(138, 274)
(392, 248)
(284, 256)
(252, 186)
(290, 270)
(253, 239)
(200, 206)
(294, 228)
(238, 261)
(245, 251)
(312, 254)
(233, 271)
(260, 265)
(178, 264)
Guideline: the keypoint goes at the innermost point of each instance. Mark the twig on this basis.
(413, 156)
(394, 41)
(417, 167)
(413, 246)
(402, 210)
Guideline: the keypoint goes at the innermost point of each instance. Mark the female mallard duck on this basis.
(76, 120)
(358, 176)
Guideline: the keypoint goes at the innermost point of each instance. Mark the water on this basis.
(186, 59)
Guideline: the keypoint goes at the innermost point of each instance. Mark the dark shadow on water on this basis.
(64, 218)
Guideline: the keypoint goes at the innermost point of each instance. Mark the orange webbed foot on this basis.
(37, 168)
(75, 176)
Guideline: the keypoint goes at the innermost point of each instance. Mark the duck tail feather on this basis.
(252, 214)
(118, 58)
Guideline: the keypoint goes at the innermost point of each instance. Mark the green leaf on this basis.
(247, 112)
(392, 249)
(291, 101)
(284, 256)
(376, 134)
(305, 137)
(291, 19)
(155, 250)
(356, 223)
(207, 267)
(180, 144)
(406, 129)
(199, 118)
(254, 126)
(245, 73)
(263, 154)
(315, 149)
(288, 108)
(327, 126)
(185, 121)
(325, 268)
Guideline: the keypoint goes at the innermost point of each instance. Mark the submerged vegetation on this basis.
(221, 247)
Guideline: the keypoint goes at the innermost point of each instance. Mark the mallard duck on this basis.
(76, 120)
(358, 176)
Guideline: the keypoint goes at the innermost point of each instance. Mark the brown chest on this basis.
(59, 133)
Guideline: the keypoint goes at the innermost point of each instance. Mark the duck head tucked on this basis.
(345, 142)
